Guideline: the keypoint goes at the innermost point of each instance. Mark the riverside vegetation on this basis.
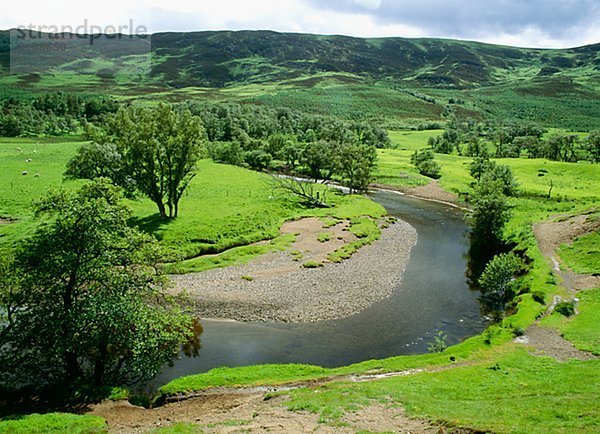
(488, 382)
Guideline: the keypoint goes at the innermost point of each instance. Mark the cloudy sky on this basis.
(531, 23)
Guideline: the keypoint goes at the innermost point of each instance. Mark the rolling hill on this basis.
(408, 78)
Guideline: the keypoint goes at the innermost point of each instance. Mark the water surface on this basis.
(433, 295)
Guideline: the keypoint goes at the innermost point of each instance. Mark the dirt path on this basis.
(252, 410)
(550, 236)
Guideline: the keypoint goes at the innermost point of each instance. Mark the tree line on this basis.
(154, 151)
(514, 140)
(54, 114)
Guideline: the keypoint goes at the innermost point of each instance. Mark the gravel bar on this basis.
(283, 291)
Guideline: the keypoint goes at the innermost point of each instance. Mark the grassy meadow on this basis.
(224, 211)
(486, 382)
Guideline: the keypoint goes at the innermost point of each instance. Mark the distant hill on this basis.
(413, 78)
(220, 58)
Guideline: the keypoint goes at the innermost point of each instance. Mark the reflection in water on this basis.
(434, 295)
(192, 347)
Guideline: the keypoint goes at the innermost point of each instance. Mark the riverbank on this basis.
(278, 288)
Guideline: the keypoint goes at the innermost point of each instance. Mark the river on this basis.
(433, 295)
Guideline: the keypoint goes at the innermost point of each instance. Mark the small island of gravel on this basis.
(276, 288)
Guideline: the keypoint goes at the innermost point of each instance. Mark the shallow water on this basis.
(433, 295)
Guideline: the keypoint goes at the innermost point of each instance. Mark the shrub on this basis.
(566, 308)
(425, 162)
(438, 344)
(497, 283)
(539, 296)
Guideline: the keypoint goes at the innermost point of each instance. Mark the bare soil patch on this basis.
(549, 237)
(251, 413)
(549, 342)
(307, 243)
(431, 191)
(552, 234)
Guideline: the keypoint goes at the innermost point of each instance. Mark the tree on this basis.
(318, 158)
(159, 149)
(592, 146)
(356, 164)
(425, 162)
(489, 213)
(561, 147)
(483, 167)
(310, 193)
(497, 283)
(85, 302)
(479, 166)
(96, 160)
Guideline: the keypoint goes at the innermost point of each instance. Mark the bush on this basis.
(539, 296)
(438, 344)
(497, 283)
(566, 308)
(425, 162)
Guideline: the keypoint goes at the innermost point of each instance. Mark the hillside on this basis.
(409, 78)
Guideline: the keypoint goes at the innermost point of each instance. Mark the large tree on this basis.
(355, 166)
(83, 301)
(490, 211)
(158, 149)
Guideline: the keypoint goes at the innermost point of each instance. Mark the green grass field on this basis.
(485, 382)
(226, 208)
(583, 255)
(55, 423)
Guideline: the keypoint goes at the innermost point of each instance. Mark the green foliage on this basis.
(592, 146)
(483, 167)
(425, 162)
(53, 423)
(365, 229)
(356, 164)
(565, 308)
(54, 114)
(497, 283)
(155, 150)
(85, 303)
(323, 237)
(438, 344)
(312, 264)
(489, 213)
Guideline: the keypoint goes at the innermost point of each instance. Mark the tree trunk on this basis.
(161, 209)
(100, 365)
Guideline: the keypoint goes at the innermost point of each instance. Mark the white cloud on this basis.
(368, 4)
(279, 15)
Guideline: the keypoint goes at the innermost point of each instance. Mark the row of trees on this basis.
(154, 151)
(490, 211)
(291, 142)
(52, 114)
(512, 140)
